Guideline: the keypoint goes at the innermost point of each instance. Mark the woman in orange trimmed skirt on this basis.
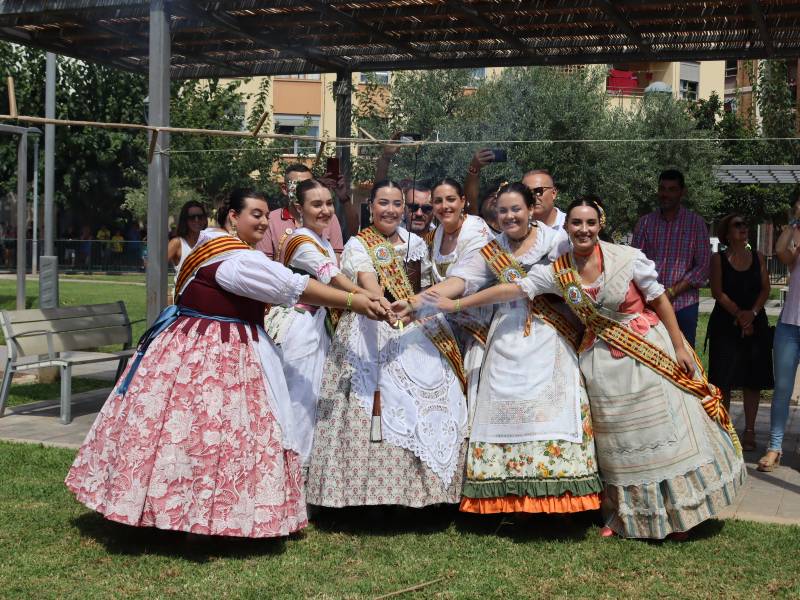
(531, 448)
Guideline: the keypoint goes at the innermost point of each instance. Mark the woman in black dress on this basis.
(740, 354)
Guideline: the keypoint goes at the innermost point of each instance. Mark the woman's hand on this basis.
(446, 305)
(403, 309)
(744, 318)
(685, 361)
(364, 305)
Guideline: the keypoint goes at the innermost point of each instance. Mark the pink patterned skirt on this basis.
(193, 445)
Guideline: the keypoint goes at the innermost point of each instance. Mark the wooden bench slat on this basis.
(73, 324)
(65, 312)
(71, 340)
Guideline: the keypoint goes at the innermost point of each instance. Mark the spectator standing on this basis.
(283, 221)
(191, 221)
(117, 248)
(103, 237)
(740, 355)
(787, 341)
(545, 191)
(676, 240)
(85, 247)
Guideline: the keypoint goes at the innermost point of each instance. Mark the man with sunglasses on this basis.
(677, 241)
(419, 208)
(540, 183)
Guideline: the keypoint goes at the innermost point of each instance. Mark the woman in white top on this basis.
(198, 434)
(301, 330)
(531, 447)
(410, 379)
(667, 466)
(191, 221)
(456, 240)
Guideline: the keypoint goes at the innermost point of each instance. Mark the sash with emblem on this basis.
(393, 278)
(638, 348)
(508, 269)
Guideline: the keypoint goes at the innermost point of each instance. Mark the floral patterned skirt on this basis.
(193, 445)
(347, 469)
(537, 476)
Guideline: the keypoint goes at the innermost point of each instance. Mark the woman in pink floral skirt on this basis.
(198, 434)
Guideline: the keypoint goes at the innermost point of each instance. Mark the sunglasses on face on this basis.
(196, 217)
(538, 191)
(425, 208)
(739, 225)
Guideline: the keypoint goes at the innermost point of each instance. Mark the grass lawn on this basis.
(110, 277)
(51, 546)
(24, 393)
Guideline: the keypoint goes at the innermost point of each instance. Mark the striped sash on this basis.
(200, 255)
(392, 276)
(332, 315)
(638, 348)
(508, 269)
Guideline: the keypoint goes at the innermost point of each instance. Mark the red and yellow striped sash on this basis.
(202, 254)
(508, 269)
(297, 241)
(638, 348)
(392, 276)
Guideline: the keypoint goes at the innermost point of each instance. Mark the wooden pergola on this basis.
(175, 39)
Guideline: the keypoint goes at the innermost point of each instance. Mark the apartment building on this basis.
(305, 103)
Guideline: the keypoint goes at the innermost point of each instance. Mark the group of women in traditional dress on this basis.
(540, 371)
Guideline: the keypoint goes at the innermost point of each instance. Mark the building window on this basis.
(297, 125)
(731, 68)
(381, 77)
(688, 90)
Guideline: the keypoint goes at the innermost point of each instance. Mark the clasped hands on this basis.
(421, 306)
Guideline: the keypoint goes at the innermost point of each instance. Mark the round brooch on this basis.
(574, 294)
(288, 231)
(511, 274)
(383, 255)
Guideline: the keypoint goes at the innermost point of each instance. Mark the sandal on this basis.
(768, 464)
(749, 440)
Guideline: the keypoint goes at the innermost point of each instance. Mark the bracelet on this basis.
(670, 292)
(458, 305)
(349, 303)
(472, 170)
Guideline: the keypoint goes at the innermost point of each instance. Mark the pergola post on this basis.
(158, 167)
(22, 216)
(343, 89)
(49, 154)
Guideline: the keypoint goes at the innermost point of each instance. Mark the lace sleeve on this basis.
(646, 278)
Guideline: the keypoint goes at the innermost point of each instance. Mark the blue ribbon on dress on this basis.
(166, 318)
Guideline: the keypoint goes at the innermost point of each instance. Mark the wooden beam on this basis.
(263, 39)
(368, 28)
(619, 19)
(482, 21)
(761, 22)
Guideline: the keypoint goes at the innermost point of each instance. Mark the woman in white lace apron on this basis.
(419, 375)
(303, 331)
(456, 239)
(667, 452)
(531, 447)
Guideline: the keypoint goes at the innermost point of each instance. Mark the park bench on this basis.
(39, 338)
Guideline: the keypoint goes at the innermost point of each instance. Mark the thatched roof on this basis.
(271, 37)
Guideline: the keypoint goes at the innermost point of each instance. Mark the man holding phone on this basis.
(283, 221)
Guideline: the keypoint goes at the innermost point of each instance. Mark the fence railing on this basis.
(778, 272)
(82, 256)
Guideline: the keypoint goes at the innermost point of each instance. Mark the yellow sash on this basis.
(638, 348)
(507, 269)
(332, 315)
(200, 255)
(392, 276)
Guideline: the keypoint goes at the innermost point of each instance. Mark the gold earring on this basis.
(234, 231)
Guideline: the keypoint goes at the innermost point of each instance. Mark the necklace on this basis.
(515, 244)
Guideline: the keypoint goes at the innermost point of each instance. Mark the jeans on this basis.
(785, 353)
(687, 321)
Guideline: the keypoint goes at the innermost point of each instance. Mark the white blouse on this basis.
(474, 235)
(309, 259)
(541, 279)
(477, 274)
(356, 259)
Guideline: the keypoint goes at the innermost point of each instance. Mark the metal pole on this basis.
(158, 168)
(49, 155)
(344, 128)
(22, 216)
(35, 245)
